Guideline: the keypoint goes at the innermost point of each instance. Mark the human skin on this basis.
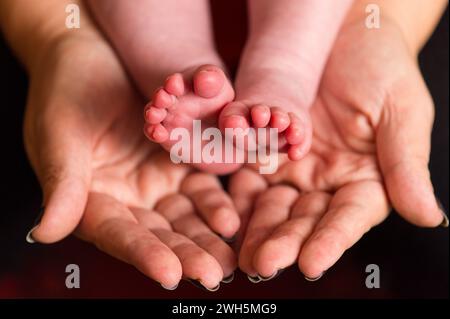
(168, 48)
(174, 38)
(244, 195)
(97, 169)
(288, 44)
(372, 128)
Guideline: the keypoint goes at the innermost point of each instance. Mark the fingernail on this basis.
(29, 238)
(445, 221)
(198, 284)
(315, 278)
(228, 279)
(228, 240)
(207, 70)
(444, 214)
(274, 275)
(169, 288)
(254, 280)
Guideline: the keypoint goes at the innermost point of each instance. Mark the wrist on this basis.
(389, 21)
(357, 18)
(59, 44)
(33, 27)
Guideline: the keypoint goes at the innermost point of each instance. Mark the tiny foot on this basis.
(293, 127)
(195, 94)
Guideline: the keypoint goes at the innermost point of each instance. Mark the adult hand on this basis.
(372, 126)
(84, 139)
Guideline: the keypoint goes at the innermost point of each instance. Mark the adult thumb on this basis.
(60, 154)
(403, 145)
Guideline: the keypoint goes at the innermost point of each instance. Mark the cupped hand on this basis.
(84, 139)
(372, 124)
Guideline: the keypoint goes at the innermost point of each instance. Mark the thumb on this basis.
(60, 155)
(403, 145)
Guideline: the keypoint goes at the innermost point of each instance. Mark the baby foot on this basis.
(195, 94)
(292, 124)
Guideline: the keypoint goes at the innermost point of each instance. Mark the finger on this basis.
(60, 154)
(114, 229)
(180, 212)
(300, 174)
(244, 186)
(197, 263)
(212, 202)
(403, 137)
(150, 219)
(354, 209)
(271, 209)
(281, 249)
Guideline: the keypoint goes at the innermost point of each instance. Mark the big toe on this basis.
(234, 115)
(208, 81)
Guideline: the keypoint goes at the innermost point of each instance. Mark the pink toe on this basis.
(279, 119)
(208, 81)
(234, 115)
(162, 99)
(154, 115)
(148, 130)
(260, 115)
(294, 133)
(157, 133)
(298, 151)
(235, 121)
(175, 84)
(295, 152)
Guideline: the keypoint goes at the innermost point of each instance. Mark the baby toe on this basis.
(157, 133)
(294, 133)
(155, 115)
(295, 152)
(260, 115)
(208, 81)
(162, 99)
(175, 84)
(298, 151)
(234, 115)
(279, 119)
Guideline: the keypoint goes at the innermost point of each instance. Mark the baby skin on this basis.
(205, 94)
(198, 93)
(277, 79)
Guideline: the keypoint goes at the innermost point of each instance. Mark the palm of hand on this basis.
(340, 186)
(98, 118)
(87, 127)
(125, 165)
(345, 116)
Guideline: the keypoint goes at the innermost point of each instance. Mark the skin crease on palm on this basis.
(108, 171)
(372, 121)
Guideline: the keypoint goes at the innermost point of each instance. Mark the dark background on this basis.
(414, 262)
